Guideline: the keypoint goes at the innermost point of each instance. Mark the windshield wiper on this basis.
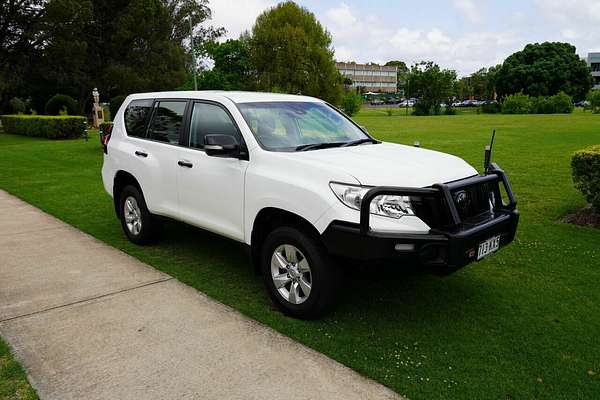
(360, 141)
(316, 146)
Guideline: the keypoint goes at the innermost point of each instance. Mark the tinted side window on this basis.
(167, 121)
(210, 119)
(136, 115)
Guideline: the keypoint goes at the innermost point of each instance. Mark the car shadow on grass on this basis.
(197, 256)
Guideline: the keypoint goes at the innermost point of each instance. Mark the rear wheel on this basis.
(299, 275)
(139, 225)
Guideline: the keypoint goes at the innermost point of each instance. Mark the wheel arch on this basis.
(122, 179)
(270, 218)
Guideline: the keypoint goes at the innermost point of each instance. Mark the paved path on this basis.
(90, 322)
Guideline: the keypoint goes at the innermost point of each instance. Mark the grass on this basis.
(13, 381)
(521, 324)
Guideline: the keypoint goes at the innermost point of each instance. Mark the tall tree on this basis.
(544, 69)
(119, 46)
(20, 43)
(480, 85)
(431, 85)
(291, 52)
(402, 75)
(232, 66)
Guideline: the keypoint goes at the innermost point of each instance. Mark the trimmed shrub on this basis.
(17, 105)
(51, 127)
(517, 103)
(59, 104)
(351, 103)
(585, 165)
(114, 105)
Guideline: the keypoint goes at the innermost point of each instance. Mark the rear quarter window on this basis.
(136, 117)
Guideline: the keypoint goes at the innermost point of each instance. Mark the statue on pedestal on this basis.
(97, 111)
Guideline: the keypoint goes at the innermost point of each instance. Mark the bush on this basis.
(517, 103)
(51, 127)
(351, 103)
(561, 103)
(594, 98)
(114, 105)
(491, 108)
(17, 105)
(449, 110)
(422, 108)
(585, 165)
(60, 104)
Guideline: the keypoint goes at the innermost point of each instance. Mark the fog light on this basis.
(404, 247)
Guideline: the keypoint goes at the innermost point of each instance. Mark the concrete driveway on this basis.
(88, 321)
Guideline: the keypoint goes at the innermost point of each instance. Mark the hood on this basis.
(388, 164)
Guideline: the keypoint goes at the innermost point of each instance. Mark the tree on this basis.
(402, 75)
(351, 103)
(431, 85)
(543, 70)
(117, 46)
(20, 44)
(291, 52)
(232, 66)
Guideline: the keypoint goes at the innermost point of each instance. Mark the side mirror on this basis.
(221, 146)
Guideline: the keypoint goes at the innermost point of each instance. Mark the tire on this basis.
(313, 269)
(139, 225)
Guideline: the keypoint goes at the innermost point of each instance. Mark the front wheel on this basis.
(299, 275)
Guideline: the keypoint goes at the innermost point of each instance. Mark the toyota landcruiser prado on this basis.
(302, 185)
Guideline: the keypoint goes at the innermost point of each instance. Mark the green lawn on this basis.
(13, 381)
(522, 324)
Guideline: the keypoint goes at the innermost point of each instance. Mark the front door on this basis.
(211, 189)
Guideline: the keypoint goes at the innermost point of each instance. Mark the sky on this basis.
(464, 35)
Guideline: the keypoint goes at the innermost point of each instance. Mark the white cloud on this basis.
(368, 39)
(469, 9)
(576, 21)
(237, 16)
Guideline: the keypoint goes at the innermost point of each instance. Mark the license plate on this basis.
(488, 247)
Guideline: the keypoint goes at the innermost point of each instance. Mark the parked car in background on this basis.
(306, 189)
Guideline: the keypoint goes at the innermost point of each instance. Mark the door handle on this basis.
(141, 154)
(186, 164)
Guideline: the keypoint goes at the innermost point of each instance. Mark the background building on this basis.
(370, 78)
(594, 63)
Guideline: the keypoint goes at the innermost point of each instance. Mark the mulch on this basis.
(587, 216)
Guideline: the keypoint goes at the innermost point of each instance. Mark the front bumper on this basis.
(441, 251)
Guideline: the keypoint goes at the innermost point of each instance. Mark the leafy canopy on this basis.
(544, 69)
(118, 46)
(291, 52)
(431, 85)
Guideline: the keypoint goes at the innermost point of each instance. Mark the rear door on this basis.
(159, 153)
(211, 189)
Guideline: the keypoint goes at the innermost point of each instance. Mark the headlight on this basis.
(384, 205)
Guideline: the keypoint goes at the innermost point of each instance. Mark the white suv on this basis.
(302, 185)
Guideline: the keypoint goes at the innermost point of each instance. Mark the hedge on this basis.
(51, 127)
(585, 165)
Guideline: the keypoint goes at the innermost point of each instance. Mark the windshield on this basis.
(297, 126)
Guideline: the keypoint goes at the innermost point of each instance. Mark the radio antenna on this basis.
(488, 153)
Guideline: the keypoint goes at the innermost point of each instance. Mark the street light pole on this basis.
(193, 54)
